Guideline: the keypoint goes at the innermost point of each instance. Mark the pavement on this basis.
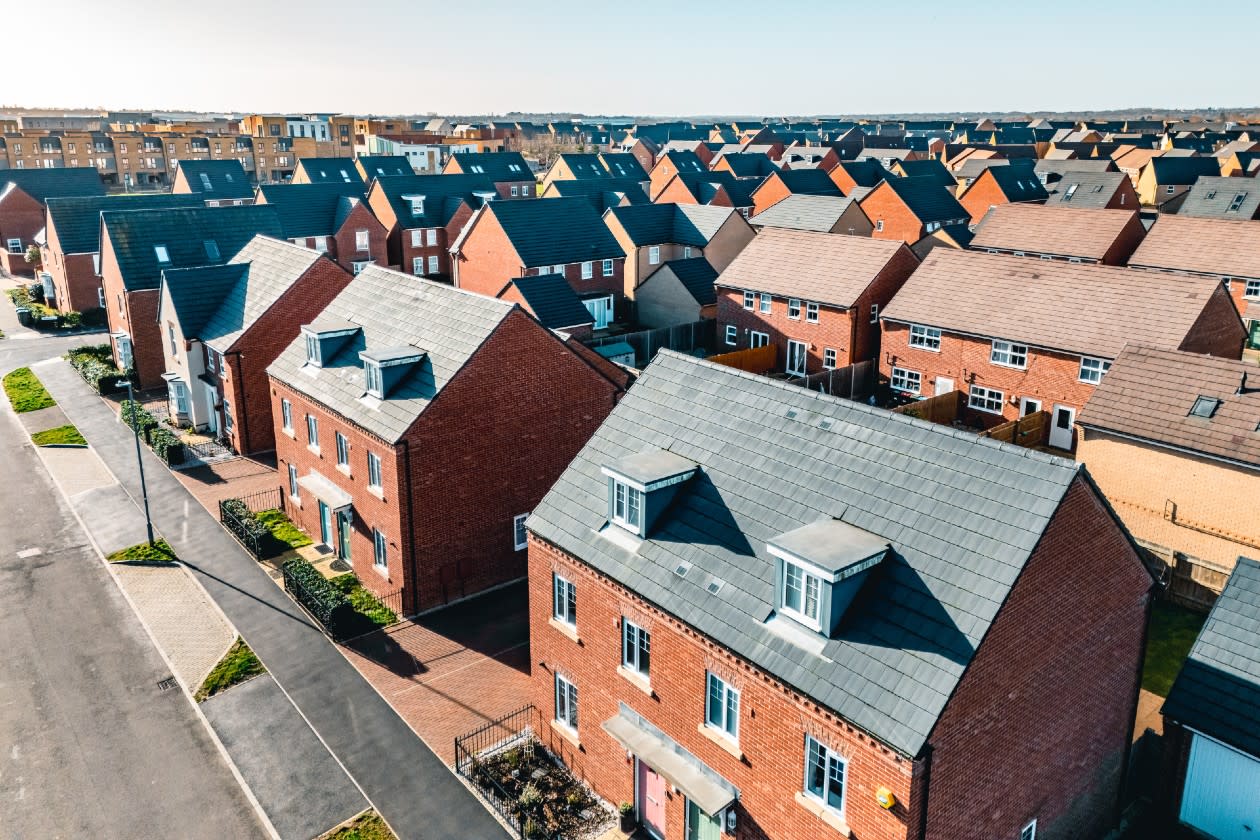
(409, 786)
(304, 790)
(45, 418)
(90, 745)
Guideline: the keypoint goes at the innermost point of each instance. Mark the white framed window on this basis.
(607, 268)
(758, 339)
(1029, 832)
(343, 450)
(286, 415)
(312, 431)
(794, 309)
(1092, 370)
(357, 266)
(557, 269)
(374, 470)
(829, 358)
(361, 240)
(14, 245)
(686, 252)
(293, 481)
(824, 775)
(431, 237)
(731, 335)
(563, 600)
(1170, 189)
(1008, 354)
(654, 255)
(811, 312)
(721, 706)
(907, 381)
(417, 238)
(417, 265)
(516, 191)
(985, 399)
(925, 338)
(1252, 290)
(312, 349)
(100, 296)
(321, 244)
(566, 703)
(380, 550)
(750, 300)
(765, 301)
(434, 267)
(372, 379)
(636, 648)
(588, 270)
(801, 594)
(874, 313)
(879, 225)
(627, 505)
(520, 539)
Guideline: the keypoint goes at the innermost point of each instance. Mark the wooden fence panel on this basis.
(752, 360)
(943, 408)
(684, 338)
(854, 382)
(1030, 430)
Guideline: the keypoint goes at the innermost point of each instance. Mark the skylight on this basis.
(212, 249)
(163, 255)
(1237, 202)
(227, 176)
(205, 182)
(1071, 191)
(1204, 407)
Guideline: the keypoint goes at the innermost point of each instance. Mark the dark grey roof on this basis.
(184, 232)
(78, 220)
(927, 199)
(217, 179)
(309, 209)
(704, 186)
(602, 193)
(749, 165)
(623, 165)
(553, 301)
(697, 276)
(555, 231)
(962, 514)
(1182, 171)
(197, 292)
(438, 192)
(393, 310)
(1018, 183)
(326, 170)
(808, 182)
(583, 167)
(43, 184)
(1217, 197)
(866, 173)
(497, 166)
(379, 166)
(679, 224)
(929, 168)
(1218, 689)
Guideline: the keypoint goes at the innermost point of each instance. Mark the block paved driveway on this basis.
(451, 671)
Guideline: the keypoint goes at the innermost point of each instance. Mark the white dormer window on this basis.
(588, 270)
(416, 202)
(627, 506)
(372, 374)
(321, 244)
(312, 349)
(163, 255)
(801, 593)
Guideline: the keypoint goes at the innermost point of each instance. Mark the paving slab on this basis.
(302, 788)
(110, 516)
(188, 627)
(76, 470)
(44, 419)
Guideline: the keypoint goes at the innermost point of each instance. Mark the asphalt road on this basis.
(89, 744)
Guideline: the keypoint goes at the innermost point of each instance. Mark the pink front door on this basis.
(651, 800)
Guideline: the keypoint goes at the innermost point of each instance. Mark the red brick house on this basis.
(373, 405)
(1061, 232)
(508, 171)
(909, 209)
(23, 194)
(761, 612)
(814, 296)
(224, 324)
(424, 214)
(550, 299)
(72, 243)
(720, 189)
(779, 185)
(668, 164)
(332, 218)
(1002, 185)
(138, 245)
(1019, 336)
(849, 175)
(506, 239)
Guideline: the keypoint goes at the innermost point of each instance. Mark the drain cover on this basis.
(167, 684)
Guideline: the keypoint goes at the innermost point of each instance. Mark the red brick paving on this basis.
(229, 480)
(449, 672)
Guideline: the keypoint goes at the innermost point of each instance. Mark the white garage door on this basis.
(1222, 796)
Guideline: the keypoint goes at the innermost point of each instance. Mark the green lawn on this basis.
(26, 392)
(283, 529)
(368, 826)
(61, 436)
(159, 552)
(363, 601)
(238, 665)
(1172, 632)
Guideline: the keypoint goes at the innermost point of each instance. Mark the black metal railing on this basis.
(238, 516)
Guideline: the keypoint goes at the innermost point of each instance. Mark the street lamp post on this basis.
(135, 428)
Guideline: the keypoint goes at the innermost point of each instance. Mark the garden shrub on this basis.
(166, 445)
(134, 415)
(96, 366)
(248, 519)
(314, 592)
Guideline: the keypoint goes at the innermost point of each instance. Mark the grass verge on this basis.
(366, 826)
(283, 529)
(61, 436)
(239, 665)
(363, 601)
(159, 552)
(26, 392)
(1171, 634)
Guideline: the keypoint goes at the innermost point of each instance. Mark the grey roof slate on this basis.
(553, 301)
(928, 200)
(1218, 689)
(1090, 190)
(272, 267)
(380, 166)
(442, 196)
(697, 276)
(78, 220)
(497, 166)
(554, 231)
(678, 224)
(43, 184)
(393, 310)
(1217, 197)
(962, 514)
(602, 193)
(330, 170)
(223, 178)
(804, 212)
(195, 293)
(310, 209)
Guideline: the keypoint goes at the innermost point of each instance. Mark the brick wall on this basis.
(445, 236)
(983, 194)
(771, 192)
(884, 205)
(773, 719)
(140, 319)
(1039, 727)
(74, 276)
(1219, 330)
(487, 258)
(21, 217)
(342, 246)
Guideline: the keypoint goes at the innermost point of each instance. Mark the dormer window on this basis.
(801, 593)
(821, 566)
(416, 202)
(385, 368)
(641, 486)
(312, 350)
(324, 337)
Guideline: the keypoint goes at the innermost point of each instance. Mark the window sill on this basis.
(344, 469)
(721, 740)
(313, 449)
(823, 813)
(383, 571)
(566, 733)
(289, 433)
(636, 679)
(296, 500)
(378, 492)
(1008, 367)
(566, 629)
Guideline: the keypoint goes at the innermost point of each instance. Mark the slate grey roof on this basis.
(442, 196)
(553, 301)
(704, 186)
(1018, 183)
(195, 293)
(807, 182)
(623, 165)
(1218, 689)
(272, 267)
(223, 178)
(961, 513)
(866, 173)
(1216, 197)
(927, 200)
(554, 231)
(1089, 190)
(310, 209)
(43, 184)
(584, 166)
(697, 276)
(393, 310)
(78, 220)
(928, 168)
(379, 166)
(679, 224)
(326, 170)
(602, 193)
(184, 231)
(1182, 171)
(804, 212)
(497, 166)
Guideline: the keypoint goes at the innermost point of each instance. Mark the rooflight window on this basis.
(163, 255)
(1071, 191)
(1211, 194)
(205, 182)
(345, 176)
(1204, 407)
(1237, 202)
(212, 249)
(227, 176)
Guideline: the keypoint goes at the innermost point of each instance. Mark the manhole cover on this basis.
(167, 684)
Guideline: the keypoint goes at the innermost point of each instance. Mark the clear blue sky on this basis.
(735, 57)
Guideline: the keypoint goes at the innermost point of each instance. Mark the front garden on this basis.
(161, 440)
(66, 435)
(342, 605)
(96, 365)
(41, 316)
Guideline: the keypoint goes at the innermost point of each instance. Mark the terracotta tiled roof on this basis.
(1092, 310)
(1063, 231)
(829, 268)
(1210, 246)
(1149, 393)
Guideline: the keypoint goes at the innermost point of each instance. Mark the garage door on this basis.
(1222, 796)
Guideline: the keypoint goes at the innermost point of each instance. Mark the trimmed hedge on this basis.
(166, 445)
(134, 415)
(95, 365)
(247, 518)
(313, 591)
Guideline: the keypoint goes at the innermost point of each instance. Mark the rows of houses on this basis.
(756, 610)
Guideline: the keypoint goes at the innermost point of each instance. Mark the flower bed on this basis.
(539, 793)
